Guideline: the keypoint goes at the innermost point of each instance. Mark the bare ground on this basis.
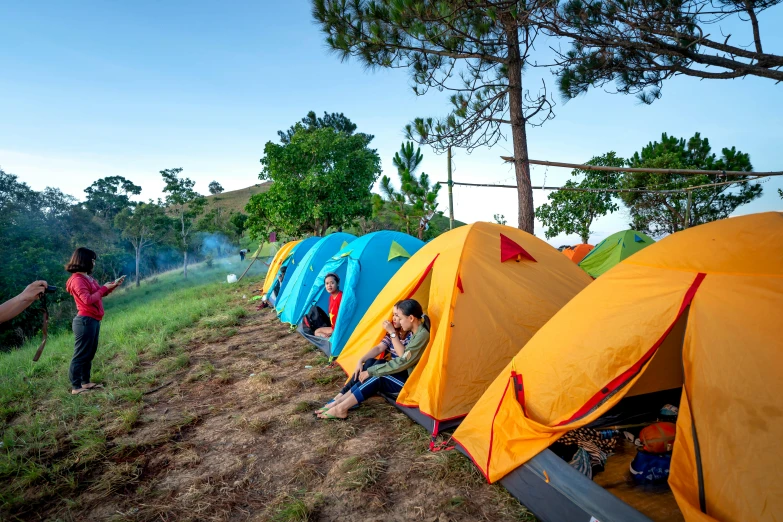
(232, 437)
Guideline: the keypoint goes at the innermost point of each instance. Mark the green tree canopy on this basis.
(184, 205)
(143, 226)
(215, 188)
(108, 196)
(321, 178)
(573, 212)
(474, 49)
(657, 213)
(638, 45)
(336, 121)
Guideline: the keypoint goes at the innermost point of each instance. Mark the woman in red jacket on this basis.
(88, 295)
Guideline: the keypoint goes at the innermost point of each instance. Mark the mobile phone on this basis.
(119, 279)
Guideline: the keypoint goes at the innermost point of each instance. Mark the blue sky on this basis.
(93, 89)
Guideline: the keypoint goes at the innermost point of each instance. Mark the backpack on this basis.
(316, 318)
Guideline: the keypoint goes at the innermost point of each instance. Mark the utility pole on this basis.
(688, 209)
(451, 196)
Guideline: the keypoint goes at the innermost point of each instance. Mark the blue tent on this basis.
(292, 301)
(291, 262)
(364, 267)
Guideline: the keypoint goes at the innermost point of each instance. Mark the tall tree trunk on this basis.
(518, 130)
(185, 269)
(138, 258)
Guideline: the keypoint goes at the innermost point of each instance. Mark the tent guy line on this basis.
(637, 190)
(687, 172)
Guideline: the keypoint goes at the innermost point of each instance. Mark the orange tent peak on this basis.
(509, 249)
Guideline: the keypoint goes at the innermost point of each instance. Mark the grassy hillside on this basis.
(237, 199)
(207, 415)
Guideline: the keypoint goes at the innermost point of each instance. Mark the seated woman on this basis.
(391, 346)
(332, 285)
(390, 376)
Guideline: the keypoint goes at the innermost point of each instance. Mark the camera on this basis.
(51, 289)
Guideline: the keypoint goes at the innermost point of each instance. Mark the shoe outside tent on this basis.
(364, 266)
(697, 313)
(290, 263)
(274, 267)
(613, 249)
(293, 299)
(578, 252)
(487, 289)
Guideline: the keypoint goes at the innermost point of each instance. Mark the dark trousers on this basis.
(367, 364)
(391, 384)
(85, 331)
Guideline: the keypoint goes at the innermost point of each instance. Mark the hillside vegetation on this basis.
(207, 415)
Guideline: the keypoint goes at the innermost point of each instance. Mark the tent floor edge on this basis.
(554, 491)
(434, 427)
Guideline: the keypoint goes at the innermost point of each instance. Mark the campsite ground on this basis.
(207, 416)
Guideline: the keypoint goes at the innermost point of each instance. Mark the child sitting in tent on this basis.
(391, 346)
(332, 286)
(390, 376)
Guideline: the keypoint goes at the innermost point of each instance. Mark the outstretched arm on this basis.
(16, 305)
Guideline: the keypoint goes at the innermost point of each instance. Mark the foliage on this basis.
(143, 226)
(184, 204)
(108, 196)
(659, 214)
(474, 49)
(500, 219)
(215, 188)
(322, 179)
(415, 203)
(573, 212)
(638, 45)
(336, 121)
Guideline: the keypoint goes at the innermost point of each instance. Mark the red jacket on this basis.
(88, 295)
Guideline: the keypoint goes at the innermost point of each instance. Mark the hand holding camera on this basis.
(35, 289)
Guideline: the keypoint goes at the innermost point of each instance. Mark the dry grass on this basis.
(360, 472)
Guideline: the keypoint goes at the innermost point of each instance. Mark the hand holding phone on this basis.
(119, 280)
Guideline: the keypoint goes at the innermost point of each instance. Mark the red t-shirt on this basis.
(88, 295)
(334, 306)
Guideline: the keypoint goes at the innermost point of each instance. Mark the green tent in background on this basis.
(614, 249)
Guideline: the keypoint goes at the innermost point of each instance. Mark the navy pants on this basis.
(391, 384)
(350, 384)
(85, 331)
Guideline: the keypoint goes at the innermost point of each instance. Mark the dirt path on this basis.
(232, 437)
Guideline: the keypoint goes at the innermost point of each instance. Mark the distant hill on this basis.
(237, 199)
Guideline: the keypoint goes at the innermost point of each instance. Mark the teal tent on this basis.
(614, 249)
(290, 263)
(364, 267)
(292, 301)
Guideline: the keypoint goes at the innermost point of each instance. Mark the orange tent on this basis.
(578, 252)
(487, 289)
(697, 312)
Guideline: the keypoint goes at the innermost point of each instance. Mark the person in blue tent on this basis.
(275, 288)
(390, 376)
(391, 346)
(320, 323)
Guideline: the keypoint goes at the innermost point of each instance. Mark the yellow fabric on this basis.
(278, 260)
(396, 250)
(475, 333)
(732, 353)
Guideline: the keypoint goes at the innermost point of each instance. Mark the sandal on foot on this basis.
(329, 416)
(79, 391)
(92, 386)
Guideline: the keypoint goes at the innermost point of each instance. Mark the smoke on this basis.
(216, 245)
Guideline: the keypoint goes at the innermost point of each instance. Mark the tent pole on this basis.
(451, 196)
